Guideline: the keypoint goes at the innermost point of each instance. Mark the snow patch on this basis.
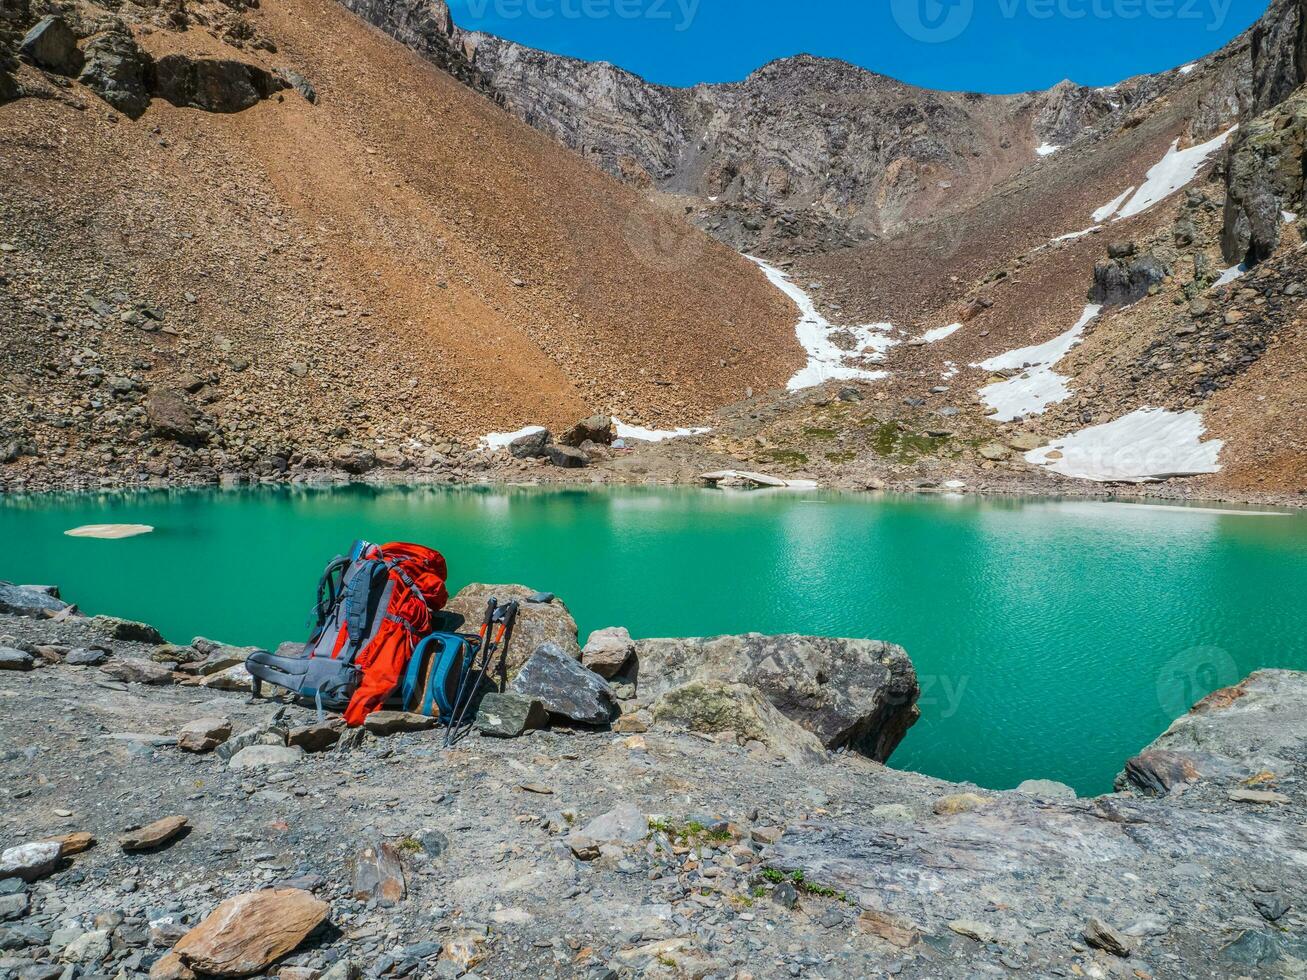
(1070, 236)
(501, 440)
(1112, 206)
(1229, 275)
(1288, 217)
(1039, 385)
(939, 333)
(625, 431)
(1149, 444)
(1175, 170)
(1047, 149)
(826, 360)
(1186, 69)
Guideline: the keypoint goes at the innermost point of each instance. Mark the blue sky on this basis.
(980, 45)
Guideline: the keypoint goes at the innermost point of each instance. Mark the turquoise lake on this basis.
(1053, 638)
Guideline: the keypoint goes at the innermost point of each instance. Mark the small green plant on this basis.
(846, 456)
(818, 433)
(788, 457)
(408, 845)
(797, 879)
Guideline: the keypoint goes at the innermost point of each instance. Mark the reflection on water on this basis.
(1052, 638)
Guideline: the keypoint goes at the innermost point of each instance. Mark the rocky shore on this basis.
(570, 461)
(720, 813)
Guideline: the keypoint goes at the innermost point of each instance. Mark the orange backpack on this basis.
(373, 609)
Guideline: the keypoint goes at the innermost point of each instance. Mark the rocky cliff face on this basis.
(806, 154)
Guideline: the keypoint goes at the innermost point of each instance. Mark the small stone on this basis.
(270, 756)
(76, 843)
(1047, 789)
(395, 722)
(204, 734)
(972, 929)
(154, 835)
(624, 824)
(138, 672)
(959, 803)
(379, 874)
(1271, 907)
(1259, 796)
(567, 457)
(315, 738)
(891, 928)
(608, 651)
(248, 933)
(31, 862)
(994, 451)
(785, 895)
(86, 657)
(11, 659)
(1100, 935)
(509, 715)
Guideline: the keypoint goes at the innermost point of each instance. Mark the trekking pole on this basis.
(484, 634)
(510, 620)
(505, 616)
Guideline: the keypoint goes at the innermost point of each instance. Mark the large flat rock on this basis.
(1255, 730)
(859, 694)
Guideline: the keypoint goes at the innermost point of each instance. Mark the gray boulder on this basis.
(52, 45)
(213, 84)
(169, 417)
(509, 715)
(86, 657)
(300, 84)
(608, 652)
(859, 694)
(126, 629)
(567, 458)
(27, 600)
(537, 622)
(355, 460)
(1257, 726)
(118, 71)
(597, 429)
(11, 659)
(1264, 178)
(1120, 282)
(266, 756)
(566, 689)
(531, 445)
(718, 707)
(30, 862)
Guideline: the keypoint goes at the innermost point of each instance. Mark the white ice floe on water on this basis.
(1149, 444)
(109, 532)
(1047, 149)
(940, 333)
(1229, 275)
(1038, 386)
(827, 361)
(1175, 170)
(502, 440)
(625, 431)
(747, 478)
